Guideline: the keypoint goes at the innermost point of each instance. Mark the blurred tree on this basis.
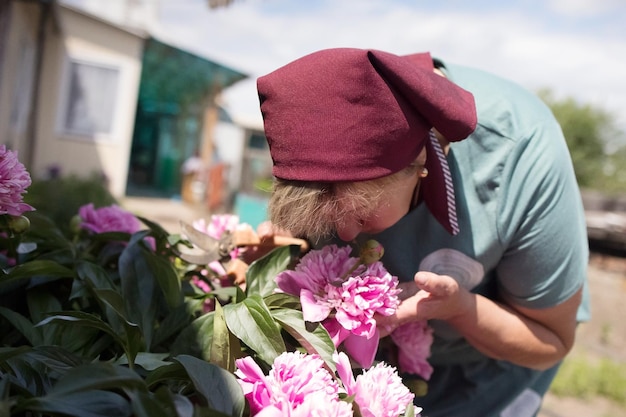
(595, 143)
(616, 171)
(214, 4)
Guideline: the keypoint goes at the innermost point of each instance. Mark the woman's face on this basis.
(393, 206)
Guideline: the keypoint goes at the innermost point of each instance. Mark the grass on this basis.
(584, 377)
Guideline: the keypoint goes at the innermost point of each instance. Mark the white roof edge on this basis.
(139, 32)
(248, 121)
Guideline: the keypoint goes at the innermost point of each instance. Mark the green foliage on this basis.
(582, 377)
(111, 325)
(615, 170)
(59, 198)
(596, 145)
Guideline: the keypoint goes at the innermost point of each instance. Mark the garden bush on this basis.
(100, 315)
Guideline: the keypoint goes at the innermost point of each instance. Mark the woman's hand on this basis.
(534, 338)
(265, 230)
(429, 296)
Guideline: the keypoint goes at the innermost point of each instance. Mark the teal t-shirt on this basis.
(522, 239)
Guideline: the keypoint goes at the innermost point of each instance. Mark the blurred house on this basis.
(241, 146)
(81, 95)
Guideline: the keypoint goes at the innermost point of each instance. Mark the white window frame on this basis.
(22, 94)
(96, 130)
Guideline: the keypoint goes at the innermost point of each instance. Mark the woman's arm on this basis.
(534, 338)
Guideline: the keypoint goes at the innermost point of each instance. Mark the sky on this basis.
(575, 48)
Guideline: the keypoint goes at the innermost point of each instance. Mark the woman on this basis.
(466, 181)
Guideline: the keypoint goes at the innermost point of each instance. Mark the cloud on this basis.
(531, 47)
(584, 7)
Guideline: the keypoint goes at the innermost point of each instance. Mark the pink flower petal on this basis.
(14, 179)
(311, 310)
(112, 218)
(344, 370)
(271, 411)
(336, 331)
(414, 340)
(362, 349)
(380, 392)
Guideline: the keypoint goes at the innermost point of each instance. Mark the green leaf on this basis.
(23, 325)
(27, 375)
(229, 293)
(146, 404)
(101, 287)
(76, 339)
(312, 336)
(56, 358)
(207, 412)
(157, 230)
(84, 319)
(40, 304)
(148, 361)
(262, 272)
(225, 347)
(79, 404)
(253, 324)
(196, 339)
(183, 405)
(164, 373)
(139, 287)
(98, 376)
(176, 321)
(112, 299)
(37, 268)
(94, 274)
(84, 391)
(104, 342)
(7, 353)
(282, 300)
(45, 233)
(166, 276)
(218, 386)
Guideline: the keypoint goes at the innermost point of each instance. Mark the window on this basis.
(91, 99)
(257, 141)
(22, 94)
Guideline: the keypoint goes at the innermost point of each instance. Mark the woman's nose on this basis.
(348, 231)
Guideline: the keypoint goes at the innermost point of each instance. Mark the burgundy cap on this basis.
(349, 114)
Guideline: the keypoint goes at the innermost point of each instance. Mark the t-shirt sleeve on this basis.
(541, 222)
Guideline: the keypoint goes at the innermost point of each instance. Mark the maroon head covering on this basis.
(353, 115)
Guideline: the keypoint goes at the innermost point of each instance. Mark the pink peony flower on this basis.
(219, 224)
(314, 405)
(414, 340)
(296, 384)
(108, 219)
(342, 297)
(317, 269)
(317, 405)
(14, 179)
(378, 392)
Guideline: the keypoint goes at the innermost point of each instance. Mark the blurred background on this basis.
(154, 103)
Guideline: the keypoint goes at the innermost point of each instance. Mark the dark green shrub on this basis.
(60, 198)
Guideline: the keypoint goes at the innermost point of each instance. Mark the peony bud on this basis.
(18, 224)
(76, 224)
(372, 251)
